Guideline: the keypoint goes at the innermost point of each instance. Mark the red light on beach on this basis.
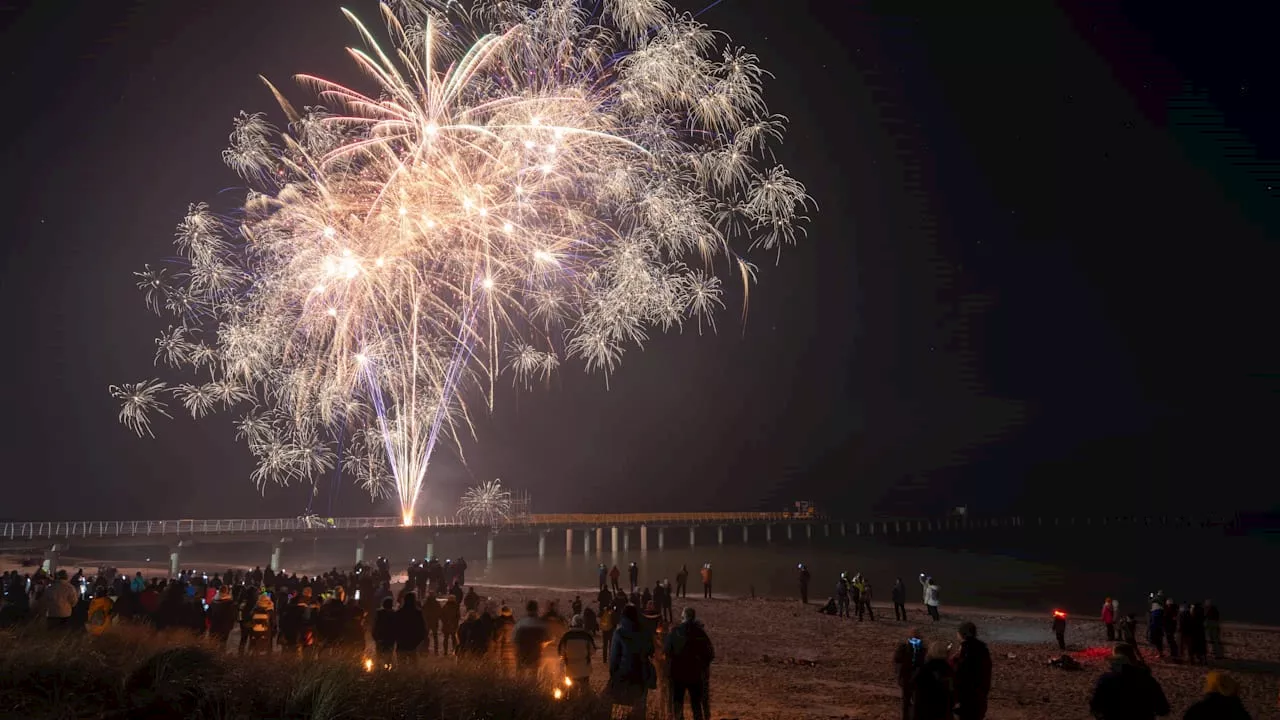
(1059, 614)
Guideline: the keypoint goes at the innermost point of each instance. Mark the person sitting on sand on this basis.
(1220, 701)
(830, 608)
(1128, 690)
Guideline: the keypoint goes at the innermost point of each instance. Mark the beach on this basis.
(778, 659)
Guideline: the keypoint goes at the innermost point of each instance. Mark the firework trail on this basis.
(557, 189)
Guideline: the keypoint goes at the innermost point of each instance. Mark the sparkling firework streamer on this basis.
(485, 504)
(558, 189)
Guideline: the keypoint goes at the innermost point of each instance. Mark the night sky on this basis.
(1041, 275)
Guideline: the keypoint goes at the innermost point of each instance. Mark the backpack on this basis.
(261, 622)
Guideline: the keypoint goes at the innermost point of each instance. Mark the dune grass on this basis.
(137, 673)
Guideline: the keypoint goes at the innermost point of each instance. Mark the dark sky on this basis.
(1042, 273)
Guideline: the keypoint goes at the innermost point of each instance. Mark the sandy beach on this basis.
(779, 659)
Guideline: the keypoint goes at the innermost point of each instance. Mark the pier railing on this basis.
(88, 529)
(248, 526)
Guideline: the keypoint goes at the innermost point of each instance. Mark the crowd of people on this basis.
(642, 646)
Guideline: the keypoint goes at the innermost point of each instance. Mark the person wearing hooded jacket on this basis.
(631, 672)
(99, 612)
(222, 617)
(689, 655)
(1220, 701)
(1127, 691)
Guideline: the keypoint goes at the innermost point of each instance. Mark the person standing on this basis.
(864, 599)
(682, 582)
(689, 656)
(907, 659)
(222, 617)
(933, 686)
(1109, 619)
(899, 593)
(930, 590)
(842, 596)
(1127, 690)
(1060, 628)
(410, 630)
(384, 632)
(614, 576)
(450, 618)
(633, 575)
(608, 623)
(431, 621)
(706, 581)
(804, 578)
(972, 663)
(602, 574)
(529, 636)
(1213, 628)
(631, 673)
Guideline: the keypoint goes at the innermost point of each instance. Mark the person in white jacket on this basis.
(930, 596)
(59, 601)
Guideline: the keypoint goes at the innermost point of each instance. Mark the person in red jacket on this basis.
(1109, 619)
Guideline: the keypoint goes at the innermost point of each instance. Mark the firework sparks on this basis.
(568, 183)
(485, 504)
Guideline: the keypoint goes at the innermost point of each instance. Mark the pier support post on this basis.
(360, 551)
(626, 539)
(789, 526)
(599, 539)
(644, 538)
(175, 560)
(692, 537)
(568, 541)
(768, 533)
(661, 537)
(844, 531)
(808, 531)
(542, 543)
(488, 548)
(613, 538)
(745, 537)
(826, 530)
(431, 545)
(586, 542)
(720, 535)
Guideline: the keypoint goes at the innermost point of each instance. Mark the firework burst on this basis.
(556, 190)
(485, 504)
